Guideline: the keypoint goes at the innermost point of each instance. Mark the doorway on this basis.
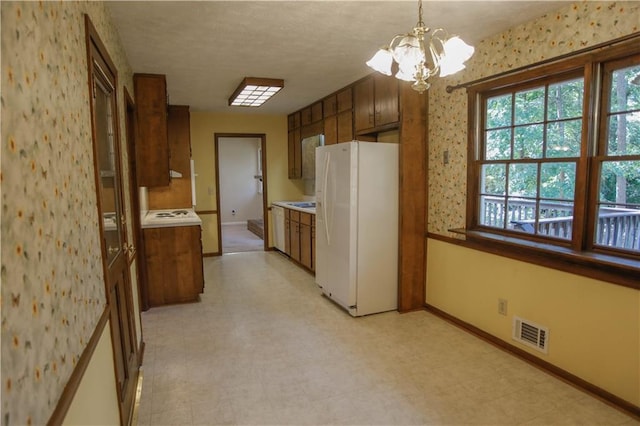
(241, 188)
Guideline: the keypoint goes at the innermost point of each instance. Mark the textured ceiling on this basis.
(205, 48)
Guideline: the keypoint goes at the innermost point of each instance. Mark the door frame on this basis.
(124, 343)
(263, 161)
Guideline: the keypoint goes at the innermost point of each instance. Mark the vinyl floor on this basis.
(264, 347)
(237, 238)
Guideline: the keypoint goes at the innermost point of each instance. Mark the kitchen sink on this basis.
(304, 204)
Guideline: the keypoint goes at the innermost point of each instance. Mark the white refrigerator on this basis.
(357, 225)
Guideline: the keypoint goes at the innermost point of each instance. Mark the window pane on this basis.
(564, 139)
(555, 219)
(523, 179)
(522, 215)
(498, 145)
(492, 211)
(624, 134)
(618, 227)
(558, 181)
(565, 100)
(498, 112)
(493, 179)
(625, 95)
(620, 182)
(527, 141)
(529, 106)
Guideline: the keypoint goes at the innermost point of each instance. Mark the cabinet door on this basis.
(363, 111)
(305, 116)
(152, 147)
(316, 112)
(345, 100)
(305, 245)
(329, 106)
(386, 100)
(295, 241)
(311, 130)
(295, 155)
(331, 130)
(345, 126)
(174, 264)
(178, 193)
(197, 261)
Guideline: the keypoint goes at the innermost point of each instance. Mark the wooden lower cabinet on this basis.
(173, 264)
(294, 235)
(305, 239)
(299, 235)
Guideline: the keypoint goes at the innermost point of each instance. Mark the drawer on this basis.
(295, 215)
(305, 218)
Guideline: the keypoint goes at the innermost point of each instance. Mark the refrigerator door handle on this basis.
(327, 160)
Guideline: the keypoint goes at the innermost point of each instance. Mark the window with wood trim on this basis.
(554, 156)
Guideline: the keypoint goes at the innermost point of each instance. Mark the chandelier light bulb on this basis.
(381, 61)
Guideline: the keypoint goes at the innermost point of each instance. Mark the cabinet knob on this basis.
(113, 250)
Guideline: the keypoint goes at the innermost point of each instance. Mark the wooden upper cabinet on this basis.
(178, 193)
(331, 130)
(329, 106)
(363, 108)
(305, 116)
(291, 121)
(386, 100)
(152, 146)
(294, 121)
(311, 130)
(295, 154)
(345, 126)
(179, 134)
(316, 112)
(338, 117)
(344, 100)
(376, 104)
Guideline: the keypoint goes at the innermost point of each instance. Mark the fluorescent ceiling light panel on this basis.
(253, 92)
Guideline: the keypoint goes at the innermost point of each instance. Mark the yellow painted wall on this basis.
(96, 400)
(594, 327)
(203, 127)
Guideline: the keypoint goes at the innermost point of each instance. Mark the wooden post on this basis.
(413, 199)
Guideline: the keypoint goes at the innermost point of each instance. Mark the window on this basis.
(555, 156)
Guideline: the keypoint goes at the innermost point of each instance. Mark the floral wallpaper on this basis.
(574, 27)
(52, 281)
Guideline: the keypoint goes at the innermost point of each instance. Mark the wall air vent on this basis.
(531, 334)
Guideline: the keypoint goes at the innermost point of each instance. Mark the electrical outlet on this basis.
(502, 306)
(445, 157)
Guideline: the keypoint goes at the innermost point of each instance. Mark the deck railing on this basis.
(616, 227)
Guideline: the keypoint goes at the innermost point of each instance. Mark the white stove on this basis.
(172, 217)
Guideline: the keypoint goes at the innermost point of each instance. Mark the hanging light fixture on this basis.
(417, 59)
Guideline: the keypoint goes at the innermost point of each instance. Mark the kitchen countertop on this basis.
(170, 218)
(291, 205)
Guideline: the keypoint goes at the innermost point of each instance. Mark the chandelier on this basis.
(418, 60)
